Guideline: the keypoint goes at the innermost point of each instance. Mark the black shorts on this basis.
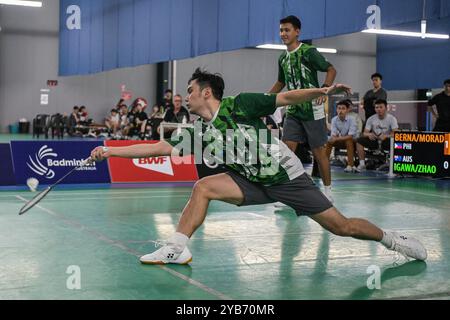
(312, 132)
(301, 194)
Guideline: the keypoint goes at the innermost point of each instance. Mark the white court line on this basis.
(301, 234)
(370, 189)
(393, 199)
(255, 215)
(109, 198)
(421, 193)
(68, 193)
(122, 246)
(150, 192)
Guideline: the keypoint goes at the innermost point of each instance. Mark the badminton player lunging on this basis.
(252, 183)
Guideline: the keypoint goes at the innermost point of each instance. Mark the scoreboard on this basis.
(422, 153)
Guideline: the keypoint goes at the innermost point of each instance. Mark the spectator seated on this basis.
(343, 134)
(376, 137)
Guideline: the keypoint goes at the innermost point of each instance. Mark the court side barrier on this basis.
(152, 169)
(6, 166)
(48, 161)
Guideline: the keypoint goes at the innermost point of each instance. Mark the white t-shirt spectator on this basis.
(382, 126)
(358, 121)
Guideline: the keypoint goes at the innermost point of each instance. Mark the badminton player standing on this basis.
(305, 122)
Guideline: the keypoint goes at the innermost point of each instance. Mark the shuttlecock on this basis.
(33, 183)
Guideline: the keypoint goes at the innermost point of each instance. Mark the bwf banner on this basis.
(48, 161)
(6, 166)
(156, 169)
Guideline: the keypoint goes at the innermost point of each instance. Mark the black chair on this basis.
(41, 125)
(57, 125)
(71, 125)
(154, 124)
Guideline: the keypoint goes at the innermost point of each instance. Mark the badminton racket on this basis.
(33, 202)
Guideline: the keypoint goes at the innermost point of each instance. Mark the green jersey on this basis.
(298, 70)
(242, 142)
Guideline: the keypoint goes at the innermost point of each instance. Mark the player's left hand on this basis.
(321, 100)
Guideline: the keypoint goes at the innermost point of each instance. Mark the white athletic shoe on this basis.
(360, 168)
(408, 246)
(348, 169)
(167, 255)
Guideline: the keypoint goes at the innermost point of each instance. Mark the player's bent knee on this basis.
(203, 189)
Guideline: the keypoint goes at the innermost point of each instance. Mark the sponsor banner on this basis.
(6, 166)
(48, 161)
(158, 169)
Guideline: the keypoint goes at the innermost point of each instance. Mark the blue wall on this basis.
(414, 63)
(124, 33)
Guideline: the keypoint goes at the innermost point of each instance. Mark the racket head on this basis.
(30, 204)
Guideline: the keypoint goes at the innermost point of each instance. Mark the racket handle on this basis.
(86, 162)
(89, 160)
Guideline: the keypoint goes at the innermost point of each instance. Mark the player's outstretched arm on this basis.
(277, 87)
(299, 96)
(136, 151)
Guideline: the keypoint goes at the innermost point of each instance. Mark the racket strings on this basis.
(34, 201)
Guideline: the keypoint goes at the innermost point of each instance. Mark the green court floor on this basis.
(253, 253)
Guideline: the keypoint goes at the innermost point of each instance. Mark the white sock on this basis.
(362, 162)
(327, 188)
(178, 241)
(387, 239)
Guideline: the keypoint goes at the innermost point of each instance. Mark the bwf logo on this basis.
(161, 164)
(38, 167)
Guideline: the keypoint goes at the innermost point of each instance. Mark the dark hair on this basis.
(114, 110)
(292, 20)
(168, 91)
(76, 108)
(381, 101)
(446, 82)
(343, 103)
(377, 75)
(350, 102)
(206, 79)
